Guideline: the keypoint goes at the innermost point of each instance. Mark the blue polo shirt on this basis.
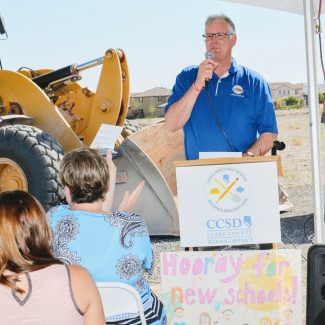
(242, 105)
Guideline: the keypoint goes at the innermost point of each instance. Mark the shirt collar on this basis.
(233, 67)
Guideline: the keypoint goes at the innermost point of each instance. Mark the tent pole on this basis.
(313, 107)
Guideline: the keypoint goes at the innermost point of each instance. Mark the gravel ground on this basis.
(297, 181)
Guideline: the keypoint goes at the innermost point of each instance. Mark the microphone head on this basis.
(279, 145)
(208, 55)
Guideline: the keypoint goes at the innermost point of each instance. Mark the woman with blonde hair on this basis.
(35, 287)
(112, 245)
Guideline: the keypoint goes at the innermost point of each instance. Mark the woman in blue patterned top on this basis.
(113, 246)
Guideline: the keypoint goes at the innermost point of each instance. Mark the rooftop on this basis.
(157, 91)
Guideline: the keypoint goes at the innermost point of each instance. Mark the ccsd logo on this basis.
(229, 223)
(227, 189)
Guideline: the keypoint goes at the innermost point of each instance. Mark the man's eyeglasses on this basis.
(216, 36)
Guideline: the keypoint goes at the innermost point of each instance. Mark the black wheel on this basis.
(29, 160)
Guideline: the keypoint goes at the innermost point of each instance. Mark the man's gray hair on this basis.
(222, 17)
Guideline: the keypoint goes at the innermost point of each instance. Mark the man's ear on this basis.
(67, 193)
(234, 40)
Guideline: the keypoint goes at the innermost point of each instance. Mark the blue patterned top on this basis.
(113, 247)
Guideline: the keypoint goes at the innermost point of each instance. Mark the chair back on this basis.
(120, 298)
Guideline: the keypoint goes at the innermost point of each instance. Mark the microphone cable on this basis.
(233, 148)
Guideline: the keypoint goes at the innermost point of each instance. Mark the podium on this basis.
(232, 202)
(228, 201)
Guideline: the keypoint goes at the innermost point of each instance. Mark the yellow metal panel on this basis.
(15, 87)
(108, 98)
(75, 108)
(126, 89)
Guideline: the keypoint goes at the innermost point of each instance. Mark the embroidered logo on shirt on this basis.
(238, 90)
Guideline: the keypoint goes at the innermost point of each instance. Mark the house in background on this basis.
(148, 103)
(151, 103)
(282, 90)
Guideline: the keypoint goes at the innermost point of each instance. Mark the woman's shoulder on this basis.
(85, 292)
(56, 210)
(64, 211)
(81, 279)
(79, 272)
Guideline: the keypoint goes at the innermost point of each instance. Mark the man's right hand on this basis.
(205, 72)
(179, 113)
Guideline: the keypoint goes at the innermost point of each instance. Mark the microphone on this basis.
(208, 55)
(277, 145)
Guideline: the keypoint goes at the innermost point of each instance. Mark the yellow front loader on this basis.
(44, 113)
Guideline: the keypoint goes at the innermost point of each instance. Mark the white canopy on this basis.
(293, 6)
(309, 9)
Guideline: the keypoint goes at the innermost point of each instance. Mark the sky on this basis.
(158, 37)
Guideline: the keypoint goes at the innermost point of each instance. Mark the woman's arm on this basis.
(109, 196)
(86, 295)
(129, 200)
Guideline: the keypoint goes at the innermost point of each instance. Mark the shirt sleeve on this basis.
(266, 118)
(184, 80)
(146, 246)
(136, 234)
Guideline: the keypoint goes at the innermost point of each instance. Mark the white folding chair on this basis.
(119, 298)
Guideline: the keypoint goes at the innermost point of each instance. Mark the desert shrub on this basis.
(291, 100)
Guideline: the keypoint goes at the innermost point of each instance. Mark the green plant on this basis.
(136, 105)
(152, 108)
(278, 104)
(301, 103)
(291, 100)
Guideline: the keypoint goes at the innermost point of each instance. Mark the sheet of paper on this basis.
(106, 136)
(204, 155)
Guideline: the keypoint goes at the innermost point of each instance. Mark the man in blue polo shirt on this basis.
(221, 105)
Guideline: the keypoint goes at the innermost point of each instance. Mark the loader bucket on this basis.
(156, 203)
(163, 147)
(149, 154)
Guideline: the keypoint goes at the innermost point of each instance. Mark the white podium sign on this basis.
(233, 204)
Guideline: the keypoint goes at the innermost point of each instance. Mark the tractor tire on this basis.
(30, 160)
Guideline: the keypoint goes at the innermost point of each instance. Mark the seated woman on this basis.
(113, 246)
(35, 287)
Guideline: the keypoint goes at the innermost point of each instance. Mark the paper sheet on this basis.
(204, 155)
(106, 136)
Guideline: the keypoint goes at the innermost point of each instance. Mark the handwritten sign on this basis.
(232, 287)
